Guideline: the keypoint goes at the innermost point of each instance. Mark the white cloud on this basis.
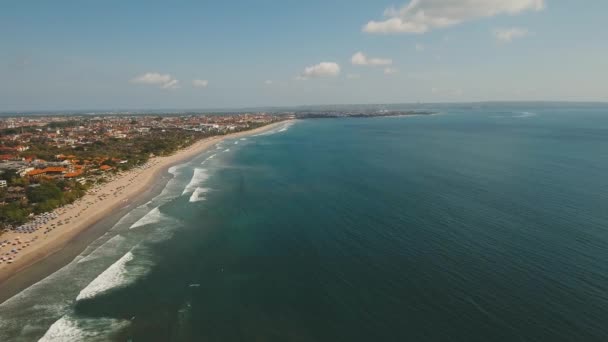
(360, 58)
(268, 82)
(390, 71)
(420, 16)
(173, 84)
(200, 83)
(419, 47)
(506, 35)
(322, 69)
(165, 81)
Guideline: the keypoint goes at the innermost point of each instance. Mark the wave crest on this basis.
(68, 329)
(199, 176)
(198, 194)
(153, 216)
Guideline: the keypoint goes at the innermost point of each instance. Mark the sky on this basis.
(60, 55)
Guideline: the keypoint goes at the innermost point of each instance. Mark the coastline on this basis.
(109, 201)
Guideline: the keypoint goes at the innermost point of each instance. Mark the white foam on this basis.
(227, 150)
(199, 176)
(198, 194)
(105, 249)
(280, 129)
(153, 216)
(243, 138)
(113, 277)
(174, 170)
(68, 329)
(129, 217)
(171, 190)
(236, 142)
(209, 158)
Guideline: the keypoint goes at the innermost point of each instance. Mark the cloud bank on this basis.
(420, 16)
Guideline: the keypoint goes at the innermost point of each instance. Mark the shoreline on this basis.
(108, 202)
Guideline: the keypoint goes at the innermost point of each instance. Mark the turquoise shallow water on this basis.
(480, 224)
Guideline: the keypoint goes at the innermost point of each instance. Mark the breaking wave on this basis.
(209, 158)
(153, 216)
(106, 249)
(120, 274)
(174, 170)
(68, 329)
(199, 176)
(279, 129)
(113, 277)
(198, 194)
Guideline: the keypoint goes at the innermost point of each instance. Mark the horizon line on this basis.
(270, 107)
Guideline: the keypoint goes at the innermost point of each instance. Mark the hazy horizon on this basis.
(300, 107)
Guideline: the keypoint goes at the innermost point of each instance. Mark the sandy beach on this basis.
(65, 223)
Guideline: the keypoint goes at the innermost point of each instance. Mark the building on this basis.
(48, 171)
(3, 184)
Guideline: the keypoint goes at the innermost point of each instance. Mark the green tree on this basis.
(46, 191)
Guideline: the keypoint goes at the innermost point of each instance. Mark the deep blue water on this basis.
(479, 224)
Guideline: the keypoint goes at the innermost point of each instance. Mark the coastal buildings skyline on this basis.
(64, 55)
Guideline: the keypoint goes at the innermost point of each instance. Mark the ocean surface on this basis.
(482, 223)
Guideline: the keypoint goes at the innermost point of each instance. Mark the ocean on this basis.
(485, 222)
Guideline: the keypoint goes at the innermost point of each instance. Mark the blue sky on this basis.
(202, 54)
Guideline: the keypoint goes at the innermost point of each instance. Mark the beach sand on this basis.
(98, 203)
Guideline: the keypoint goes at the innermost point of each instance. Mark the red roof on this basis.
(48, 169)
(73, 174)
(55, 169)
(36, 172)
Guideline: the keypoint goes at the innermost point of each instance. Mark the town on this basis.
(50, 161)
